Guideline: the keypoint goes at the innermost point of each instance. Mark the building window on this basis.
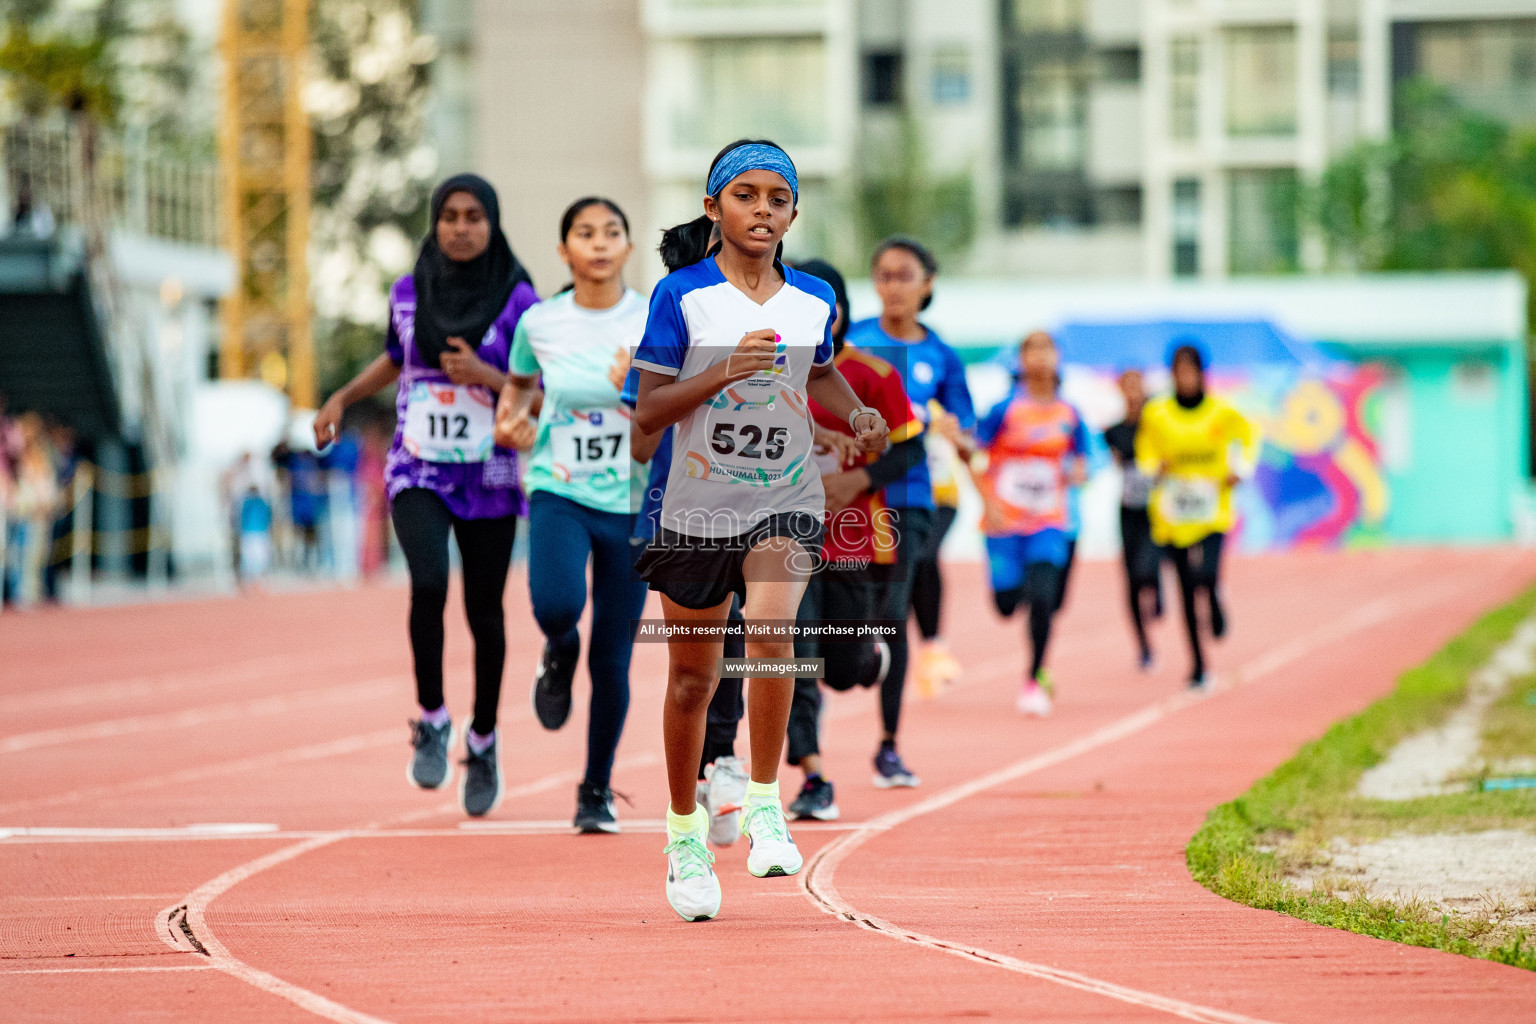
(1488, 65)
(1046, 70)
(1261, 81)
(882, 79)
(1344, 64)
(1121, 65)
(1052, 106)
(951, 75)
(718, 92)
(1048, 15)
(1119, 206)
(1184, 88)
(1186, 227)
(1262, 221)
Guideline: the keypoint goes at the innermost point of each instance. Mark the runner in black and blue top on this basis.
(903, 272)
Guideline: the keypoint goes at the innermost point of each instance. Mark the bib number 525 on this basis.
(753, 445)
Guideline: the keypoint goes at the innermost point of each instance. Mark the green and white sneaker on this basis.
(693, 889)
(773, 852)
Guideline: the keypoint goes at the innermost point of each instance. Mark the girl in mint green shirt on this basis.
(579, 481)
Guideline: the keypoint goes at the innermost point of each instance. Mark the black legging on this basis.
(1041, 590)
(1199, 568)
(843, 595)
(422, 524)
(726, 707)
(1143, 562)
(893, 601)
(927, 581)
(1065, 575)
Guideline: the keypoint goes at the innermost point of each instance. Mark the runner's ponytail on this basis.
(686, 244)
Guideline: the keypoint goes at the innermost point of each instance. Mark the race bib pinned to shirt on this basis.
(1031, 485)
(1189, 500)
(449, 422)
(755, 434)
(586, 443)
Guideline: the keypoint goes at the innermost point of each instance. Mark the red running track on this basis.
(1038, 875)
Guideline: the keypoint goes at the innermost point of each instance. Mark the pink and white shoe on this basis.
(1033, 700)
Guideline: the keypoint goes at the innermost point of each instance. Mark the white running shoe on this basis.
(1033, 700)
(693, 888)
(727, 782)
(773, 852)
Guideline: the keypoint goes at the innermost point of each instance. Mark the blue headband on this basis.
(753, 157)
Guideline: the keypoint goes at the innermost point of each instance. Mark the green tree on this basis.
(1450, 190)
(59, 73)
(909, 199)
(118, 63)
(372, 173)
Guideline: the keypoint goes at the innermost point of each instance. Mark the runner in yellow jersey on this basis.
(1197, 447)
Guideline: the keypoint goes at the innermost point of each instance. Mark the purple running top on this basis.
(471, 490)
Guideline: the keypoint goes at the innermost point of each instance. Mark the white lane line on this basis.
(203, 679)
(110, 970)
(193, 911)
(209, 831)
(818, 881)
(639, 826)
(276, 759)
(259, 762)
(278, 704)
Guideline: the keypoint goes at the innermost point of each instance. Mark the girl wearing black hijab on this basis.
(450, 333)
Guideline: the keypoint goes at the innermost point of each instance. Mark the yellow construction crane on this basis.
(264, 148)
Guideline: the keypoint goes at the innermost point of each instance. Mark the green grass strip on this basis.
(1244, 848)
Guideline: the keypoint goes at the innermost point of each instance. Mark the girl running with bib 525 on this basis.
(733, 348)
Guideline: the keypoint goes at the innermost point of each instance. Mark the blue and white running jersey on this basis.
(745, 454)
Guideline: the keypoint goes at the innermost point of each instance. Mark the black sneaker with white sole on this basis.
(480, 789)
(817, 800)
(429, 765)
(594, 810)
(551, 695)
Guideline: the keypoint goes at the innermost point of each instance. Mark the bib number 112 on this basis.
(448, 427)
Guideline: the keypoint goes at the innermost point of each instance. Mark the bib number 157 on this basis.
(590, 449)
(748, 442)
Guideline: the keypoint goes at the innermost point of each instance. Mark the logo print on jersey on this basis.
(922, 372)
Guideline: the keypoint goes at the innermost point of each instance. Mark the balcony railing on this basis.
(82, 175)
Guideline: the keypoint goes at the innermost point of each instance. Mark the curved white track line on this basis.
(818, 881)
(193, 910)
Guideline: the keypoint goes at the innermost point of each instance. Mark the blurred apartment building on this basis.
(1099, 137)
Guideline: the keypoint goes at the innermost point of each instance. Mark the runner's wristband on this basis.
(860, 411)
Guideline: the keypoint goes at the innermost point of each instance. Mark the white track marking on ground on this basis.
(196, 904)
(640, 826)
(818, 881)
(250, 670)
(258, 762)
(277, 704)
(111, 970)
(213, 831)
